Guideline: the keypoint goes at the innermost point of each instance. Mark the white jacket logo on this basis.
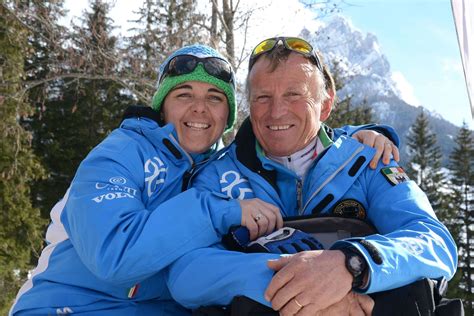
(118, 190)
(228, 189)
(64, 311)
(155, 168)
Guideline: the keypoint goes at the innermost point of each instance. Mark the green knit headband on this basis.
(199, 74)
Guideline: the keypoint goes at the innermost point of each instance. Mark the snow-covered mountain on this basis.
(361, 60)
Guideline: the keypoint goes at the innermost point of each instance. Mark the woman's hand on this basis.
(260, 218)
(382, 144)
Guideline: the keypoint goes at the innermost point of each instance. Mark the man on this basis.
(285, 155)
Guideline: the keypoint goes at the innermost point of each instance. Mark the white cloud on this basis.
(450, 65)
(273, 18)
(405, 89)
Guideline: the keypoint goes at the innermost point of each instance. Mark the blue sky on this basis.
(419, 39)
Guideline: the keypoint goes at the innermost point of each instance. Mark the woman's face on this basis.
(199, 113)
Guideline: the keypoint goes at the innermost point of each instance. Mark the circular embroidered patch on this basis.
(350, 208)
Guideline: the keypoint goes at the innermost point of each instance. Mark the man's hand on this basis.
(352, 304)
(382, 144)
(308, 282)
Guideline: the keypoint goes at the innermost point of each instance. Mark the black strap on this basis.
(240, 306)
(211, 311)
(325, 224)
(449, 307)
(416, 299)
(421, 298)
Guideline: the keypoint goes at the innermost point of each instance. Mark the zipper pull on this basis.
(299, 194)
(186, 177)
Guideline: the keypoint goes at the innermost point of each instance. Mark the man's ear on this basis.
(327, 106)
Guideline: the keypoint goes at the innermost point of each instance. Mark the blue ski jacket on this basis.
(411, 243)
(120, 223)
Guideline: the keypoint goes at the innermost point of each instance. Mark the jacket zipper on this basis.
(186, 178)
(329, 179)
(189, 173)
(299, 194)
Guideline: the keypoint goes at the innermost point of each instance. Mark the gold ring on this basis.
(258, 217)
(298, 303)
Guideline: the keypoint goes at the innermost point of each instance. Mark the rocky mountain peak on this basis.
(361, 61)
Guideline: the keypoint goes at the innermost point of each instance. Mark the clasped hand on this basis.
(315, 283)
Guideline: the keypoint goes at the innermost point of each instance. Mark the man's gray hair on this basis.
(279, 55)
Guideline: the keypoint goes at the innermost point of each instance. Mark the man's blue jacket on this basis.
(121, 222)
(411, 243)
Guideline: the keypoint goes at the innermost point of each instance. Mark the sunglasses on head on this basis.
(294, 44)
(185, 64)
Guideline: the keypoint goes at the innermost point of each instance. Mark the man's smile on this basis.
(279, 127)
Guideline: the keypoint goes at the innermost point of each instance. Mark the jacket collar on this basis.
(147, 122)
(247, 155)
(246, 149)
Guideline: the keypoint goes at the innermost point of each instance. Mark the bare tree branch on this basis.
(142, 97)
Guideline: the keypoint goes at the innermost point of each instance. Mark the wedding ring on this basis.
(258, 217)
(298, 303)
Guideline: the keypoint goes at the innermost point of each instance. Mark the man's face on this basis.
(284, 108)
(199, 113)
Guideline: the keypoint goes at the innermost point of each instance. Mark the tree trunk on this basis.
(228, 15)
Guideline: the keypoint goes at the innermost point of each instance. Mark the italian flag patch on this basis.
(133, 291)
(394, 175)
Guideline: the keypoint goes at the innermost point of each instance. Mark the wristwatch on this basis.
(356, 265)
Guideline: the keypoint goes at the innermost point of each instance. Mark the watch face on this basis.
(355, 263)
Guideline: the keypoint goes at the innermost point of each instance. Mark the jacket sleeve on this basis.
(383, 129)
(117, 237)
(411, 243)
(214, 276)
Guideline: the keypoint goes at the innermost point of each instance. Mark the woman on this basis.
(124, 219)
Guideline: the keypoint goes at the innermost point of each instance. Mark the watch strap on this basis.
(358, 273)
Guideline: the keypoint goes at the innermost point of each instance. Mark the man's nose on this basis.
(278, 108)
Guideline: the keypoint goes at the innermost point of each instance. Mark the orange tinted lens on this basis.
(264, 46)
(299, 45)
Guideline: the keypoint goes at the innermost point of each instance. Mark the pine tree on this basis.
(20, 232)
(161, 27)
(344, 112)
(424, 166)
(462, 169)
(78, 110)
(98, 102)
(46, 41)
